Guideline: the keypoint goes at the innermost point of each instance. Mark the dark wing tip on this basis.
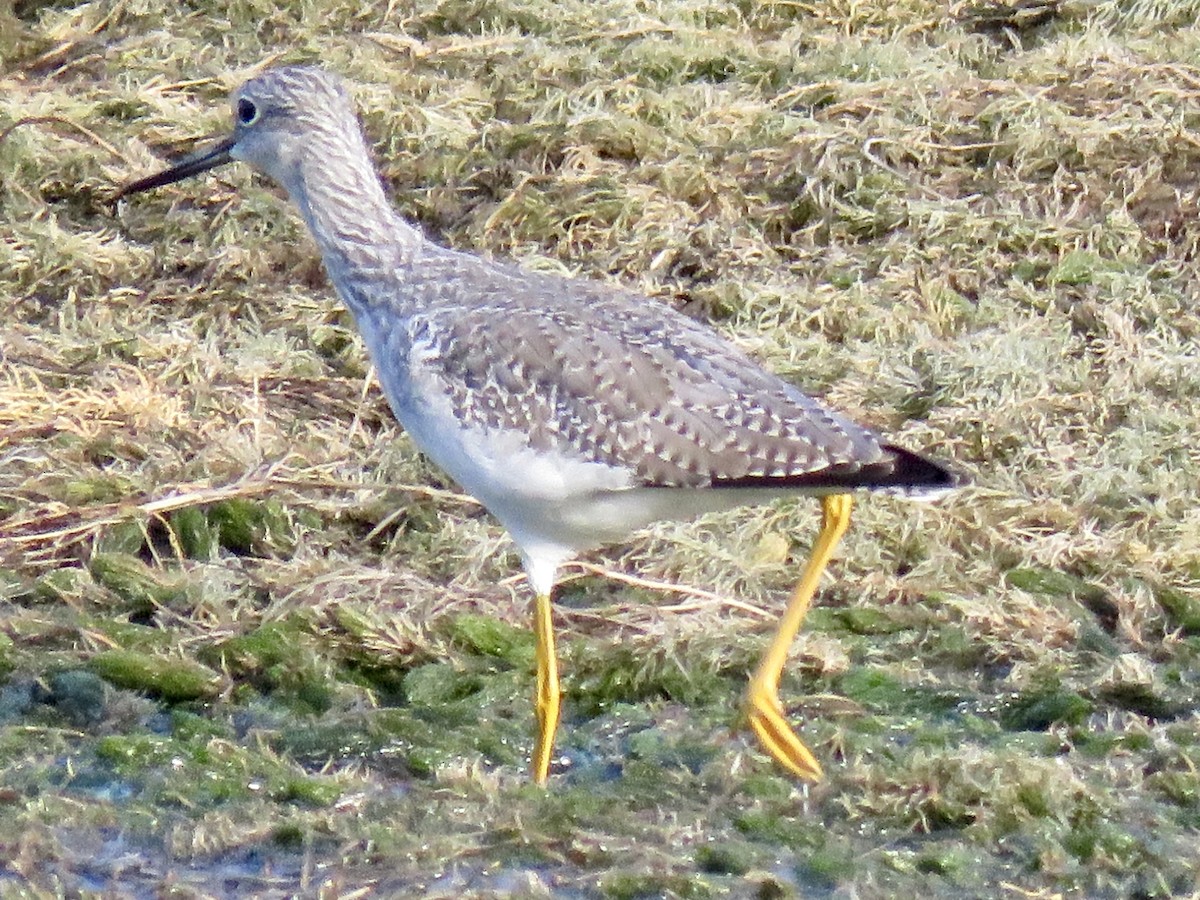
(900, 471)
(912, 473)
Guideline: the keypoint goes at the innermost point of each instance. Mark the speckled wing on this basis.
(603, 375)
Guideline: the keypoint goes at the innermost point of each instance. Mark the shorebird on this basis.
(575, 411)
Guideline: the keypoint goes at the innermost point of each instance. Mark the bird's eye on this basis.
(247, 112)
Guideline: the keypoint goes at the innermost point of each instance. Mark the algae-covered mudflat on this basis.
(252, 643)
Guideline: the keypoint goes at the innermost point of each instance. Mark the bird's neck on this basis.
(363, 241)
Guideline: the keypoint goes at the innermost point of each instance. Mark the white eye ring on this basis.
(247, 112)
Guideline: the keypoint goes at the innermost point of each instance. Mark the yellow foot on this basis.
(764, 713)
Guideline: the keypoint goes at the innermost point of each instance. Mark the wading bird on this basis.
(576, 412)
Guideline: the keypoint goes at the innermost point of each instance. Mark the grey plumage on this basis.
(587, 371)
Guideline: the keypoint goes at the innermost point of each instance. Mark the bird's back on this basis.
(581, 370)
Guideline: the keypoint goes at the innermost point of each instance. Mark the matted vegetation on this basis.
(251, 642)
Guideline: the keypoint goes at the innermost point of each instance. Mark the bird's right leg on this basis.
(547, 698)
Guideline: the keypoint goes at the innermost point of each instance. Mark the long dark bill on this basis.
(193, 164)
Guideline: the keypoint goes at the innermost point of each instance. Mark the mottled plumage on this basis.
(575, 411)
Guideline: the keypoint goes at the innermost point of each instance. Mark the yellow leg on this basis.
(763, 709)
(548, 693)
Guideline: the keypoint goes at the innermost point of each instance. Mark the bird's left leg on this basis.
(763, 709)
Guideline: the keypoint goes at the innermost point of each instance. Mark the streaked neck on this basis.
(362, 239)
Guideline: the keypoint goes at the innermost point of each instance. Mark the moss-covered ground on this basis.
(251, 643)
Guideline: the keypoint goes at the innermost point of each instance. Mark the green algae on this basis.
(127, 537)
(727, 858)
(202, 771)
(172, 679)
(863, 620)
(62, 585)
(280, 657)
(1038, 709)
(488, 636)
(1055, 583)
(645, 885)
(242, 525)
(1183, 611)
(198, 536)
(355, 709)
(141, 588)
(99, 487)
(626, 675)
(7, 661)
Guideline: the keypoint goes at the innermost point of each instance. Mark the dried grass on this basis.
(976, 233)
